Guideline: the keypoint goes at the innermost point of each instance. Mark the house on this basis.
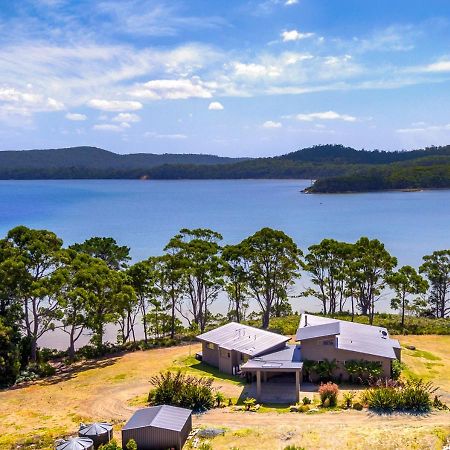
(158, 427)
(231, 345)
(322, 339)
(265, 356)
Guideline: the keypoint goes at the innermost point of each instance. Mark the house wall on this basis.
(210, 356)
(315, 350)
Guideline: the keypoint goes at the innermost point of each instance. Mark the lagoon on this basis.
(145, 214)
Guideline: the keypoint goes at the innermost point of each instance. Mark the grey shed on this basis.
(158, 428)
(99, 432)
(78, 443)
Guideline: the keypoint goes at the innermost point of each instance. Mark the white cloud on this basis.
(107, 127)
(114, 105)
(126, 117)
(153, 134)
(272, 124)
(76, 117)
(438, 67)
(291, 2)
(253, 70)
(326, 115)
(215, 106)
(294, 35)
(172, 89)
(424, 128)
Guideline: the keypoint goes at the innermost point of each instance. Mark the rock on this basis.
(294, 409)
(410, 347)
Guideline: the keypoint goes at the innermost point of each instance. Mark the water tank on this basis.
(77, 443)
(99, 432)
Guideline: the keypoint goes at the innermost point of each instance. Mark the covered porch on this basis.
(277, 376)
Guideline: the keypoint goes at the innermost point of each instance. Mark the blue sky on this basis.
(248, 78)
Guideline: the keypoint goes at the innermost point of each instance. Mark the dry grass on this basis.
(111, 389)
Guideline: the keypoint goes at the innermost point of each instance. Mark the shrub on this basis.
(414, 395)
(111, 445)
(396, 369)
(219, 398)
(205, 445)
(348, 398)
(439, 404)
(358, 406)
(249, 403)
(328, 391)
(131, 445)
(303, 408)
(293, 447)
(183, 390)
(306, 401)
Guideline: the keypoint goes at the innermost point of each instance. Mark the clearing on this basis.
(110, 389)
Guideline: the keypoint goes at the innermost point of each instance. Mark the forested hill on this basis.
(97, 158)
(335, 167)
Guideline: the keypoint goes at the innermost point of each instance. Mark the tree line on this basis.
(85, 286)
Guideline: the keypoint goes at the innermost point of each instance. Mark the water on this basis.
(145, 214)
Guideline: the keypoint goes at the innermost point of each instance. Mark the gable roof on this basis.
(162, 416)
(248, 340)
(351, 336)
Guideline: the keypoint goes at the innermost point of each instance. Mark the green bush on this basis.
(183, 390)
(293, 447)
(358, 406)
(303, 408)
(413, 395)
(131, 445)
(396, 369)
(328, 394)
(306, 401)
(111, 445)
(249, 402)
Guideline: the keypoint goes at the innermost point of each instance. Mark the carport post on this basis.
(258, 385)
(297, 386)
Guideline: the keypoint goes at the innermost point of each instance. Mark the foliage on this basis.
(9, 355)
(436, 267)
(328, 392)
(271, 260)
(179, 389)
(360, 370)
(358, 406)
(396, 369)
(131, 445)
(249, 403)
(35, 371)
(293, 447)
(111, 445)
(412, 395)
(219, 398)
(306, 401)
(348, 398)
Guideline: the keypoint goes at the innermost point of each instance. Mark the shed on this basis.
(77, 443)
(99, 432)
(158, 428)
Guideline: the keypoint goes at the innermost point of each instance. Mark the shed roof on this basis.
(162, 416)
(243, 338)
(287, 359)
(352, 336)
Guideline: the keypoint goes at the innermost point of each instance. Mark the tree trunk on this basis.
(266, 318)
(33, 348)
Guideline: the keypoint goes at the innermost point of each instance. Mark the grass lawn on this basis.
(110, 389)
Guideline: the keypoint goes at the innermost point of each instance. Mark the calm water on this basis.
(145, 214)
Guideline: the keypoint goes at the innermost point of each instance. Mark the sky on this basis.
(232, 78)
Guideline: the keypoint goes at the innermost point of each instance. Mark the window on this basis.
(224, 353)
(211, 346)
(328, 342)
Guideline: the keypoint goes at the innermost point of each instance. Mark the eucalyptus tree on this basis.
(271, 260)
(371, 264)
(39, 279)
(106, 293)
(326, 263)
(236, 281)
(406, 282)
(436, 268)
(198, 252)
(171, 282)
(142, 277)
(106, 249)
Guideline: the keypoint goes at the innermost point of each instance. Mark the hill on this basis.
(334, 167)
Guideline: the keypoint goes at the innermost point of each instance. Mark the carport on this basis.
(272, 366)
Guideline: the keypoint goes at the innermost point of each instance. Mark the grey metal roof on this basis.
(352, 336)
(162, 416)
(288, 358)
(78, 443)
(372, 347)
(315, 331)
(243, 338)
(95, 429)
